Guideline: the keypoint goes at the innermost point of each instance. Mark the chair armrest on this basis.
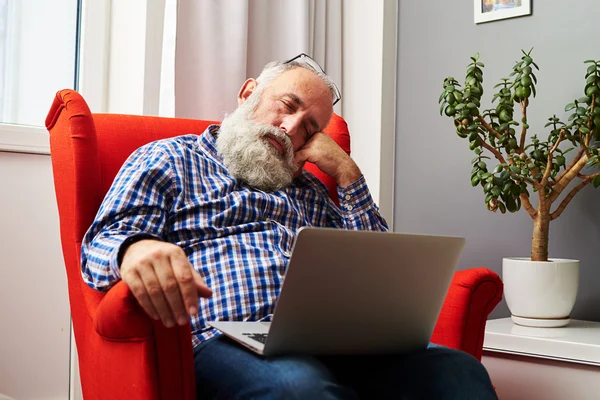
(472, 296)
(119, 316)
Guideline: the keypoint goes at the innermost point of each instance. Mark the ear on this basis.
(246, 90)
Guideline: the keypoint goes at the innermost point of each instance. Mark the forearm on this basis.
(348, 173)
(135, 204)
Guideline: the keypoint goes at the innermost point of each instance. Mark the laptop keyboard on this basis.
(259, 337)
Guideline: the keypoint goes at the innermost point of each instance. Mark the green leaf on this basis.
(502, 207)
(534, 78)
(591, 69)
(588, 61)
(511, 205)
(569, 106)
(585, 130)
(596, 181)
(442, 96)
(515, 169)
(496, 191)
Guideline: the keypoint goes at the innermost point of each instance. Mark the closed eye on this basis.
(289, 106)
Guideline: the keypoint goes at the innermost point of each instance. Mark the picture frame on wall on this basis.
(493, 10)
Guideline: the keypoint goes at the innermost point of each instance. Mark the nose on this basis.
(291, 125)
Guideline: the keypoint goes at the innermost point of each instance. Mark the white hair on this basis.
(275, 69)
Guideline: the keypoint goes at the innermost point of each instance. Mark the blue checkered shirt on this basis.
(238, 238)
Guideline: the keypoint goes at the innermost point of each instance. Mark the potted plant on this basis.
(538, 291)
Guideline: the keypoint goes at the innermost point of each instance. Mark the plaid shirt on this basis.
(238, 238)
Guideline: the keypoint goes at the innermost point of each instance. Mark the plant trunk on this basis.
(541, 230)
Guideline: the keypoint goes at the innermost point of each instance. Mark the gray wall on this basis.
(432, 187)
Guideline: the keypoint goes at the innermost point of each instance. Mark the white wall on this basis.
(34, 308)
(369, 67)
(127, 56)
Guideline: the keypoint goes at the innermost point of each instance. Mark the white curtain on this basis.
(221, 43)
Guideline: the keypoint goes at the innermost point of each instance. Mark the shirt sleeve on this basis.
(357, 209)
(136, 204)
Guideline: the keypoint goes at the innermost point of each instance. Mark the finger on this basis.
(170, 287)
(201, 287)
(157, 297)
(135, 284)
(184, 273)
(301, 156)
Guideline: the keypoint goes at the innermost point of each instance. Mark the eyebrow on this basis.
(300, 103)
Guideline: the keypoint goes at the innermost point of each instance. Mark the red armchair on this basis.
(123, 354)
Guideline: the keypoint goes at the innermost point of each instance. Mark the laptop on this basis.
(350, 292)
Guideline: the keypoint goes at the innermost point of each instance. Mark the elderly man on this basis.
(201, 227)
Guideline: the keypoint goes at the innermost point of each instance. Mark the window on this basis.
(37, 58)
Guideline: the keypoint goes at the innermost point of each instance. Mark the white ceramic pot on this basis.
(539, 293)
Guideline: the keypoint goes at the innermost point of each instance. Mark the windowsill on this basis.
(24, 139)
(578, 342)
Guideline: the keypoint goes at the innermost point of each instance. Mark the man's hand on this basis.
(163, 281)
(326, 154)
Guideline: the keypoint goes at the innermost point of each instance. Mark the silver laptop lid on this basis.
(349, 292)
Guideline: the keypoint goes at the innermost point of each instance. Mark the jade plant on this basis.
(526, 162)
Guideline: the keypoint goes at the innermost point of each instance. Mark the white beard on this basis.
(249, 157)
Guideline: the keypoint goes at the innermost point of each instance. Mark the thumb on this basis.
(201, 287)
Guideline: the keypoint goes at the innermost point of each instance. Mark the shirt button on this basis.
(287, 254)
(347, 197)
(349, 207)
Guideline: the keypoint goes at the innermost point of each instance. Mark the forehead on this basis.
(310, 88)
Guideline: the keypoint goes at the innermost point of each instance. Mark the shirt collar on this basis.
(207, 142)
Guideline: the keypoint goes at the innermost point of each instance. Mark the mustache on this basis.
(269, 130)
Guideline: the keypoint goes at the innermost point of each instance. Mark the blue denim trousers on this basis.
(226, 370)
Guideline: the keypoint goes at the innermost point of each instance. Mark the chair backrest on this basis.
(87, 151)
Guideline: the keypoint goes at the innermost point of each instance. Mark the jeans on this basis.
(226, 370)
